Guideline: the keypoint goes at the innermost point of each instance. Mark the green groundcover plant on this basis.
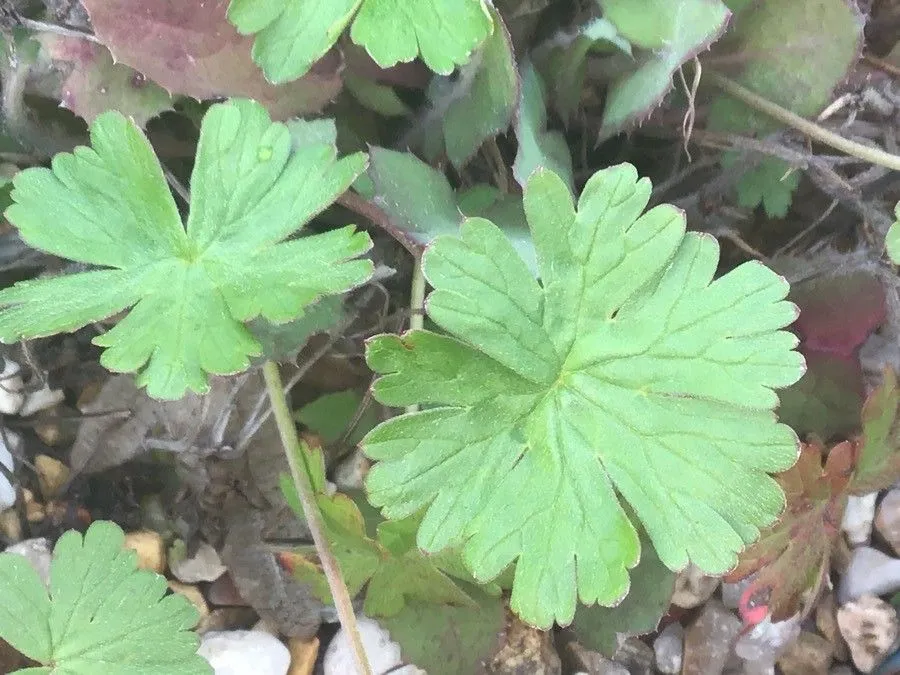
(590, 408)
(623, 372)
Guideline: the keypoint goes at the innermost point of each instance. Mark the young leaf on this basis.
(892, 243)
(102, 614)
(293, 35)
(191, 289)
(395, 571)
(626, 368)
(792, 554)
(771, 183)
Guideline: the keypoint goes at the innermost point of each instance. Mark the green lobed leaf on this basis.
(627, 369)
(102, 614)
(771, 183)
(292, 35)
(537, 146)
(670, 32)
(652, 584)
(191, 289)
(892, 242)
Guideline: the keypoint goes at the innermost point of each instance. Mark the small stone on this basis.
(42, 399)
(858, 516)
(34, 510)
(383, 653)
(223, 592)
(49, 433)
(227, 618)
(11, 525)
(887, 520)
(765, 642)
(12, 387)
(731, 593)
(869, 625)
(38, 552)
(204, 565)
(809, 654)
(870, 572)
(591, 662)
(693, 588)
(9, 442)
(303, 655)
(239, 652)
(635, 655)
(351, 473)
(150, 549)
(52, 475)
(826, 622)
(525, 649)
(707, 642)
(668, 649)
(193, 594)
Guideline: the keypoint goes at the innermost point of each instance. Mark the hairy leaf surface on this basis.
(191, 288)
(626, 369)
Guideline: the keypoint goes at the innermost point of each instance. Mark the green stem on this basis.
(811, 129)
(292, 450)
(416, 305)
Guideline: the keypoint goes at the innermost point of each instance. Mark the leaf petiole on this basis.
(291, 444)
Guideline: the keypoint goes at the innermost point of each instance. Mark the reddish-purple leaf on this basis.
(791, 555)
(190, 48)
(838, 313)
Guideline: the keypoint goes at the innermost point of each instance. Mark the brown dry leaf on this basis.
(792, 555)
(190, 48)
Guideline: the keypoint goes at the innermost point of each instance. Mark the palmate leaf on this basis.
(102, 615)
(625, 369)
(291, 35)
(192, 288)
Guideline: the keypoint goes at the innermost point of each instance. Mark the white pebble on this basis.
(384, 654)
(205, 565)
(238, 652)
(42, 399)
(12, 394)
(7, 490)
(858, 518)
